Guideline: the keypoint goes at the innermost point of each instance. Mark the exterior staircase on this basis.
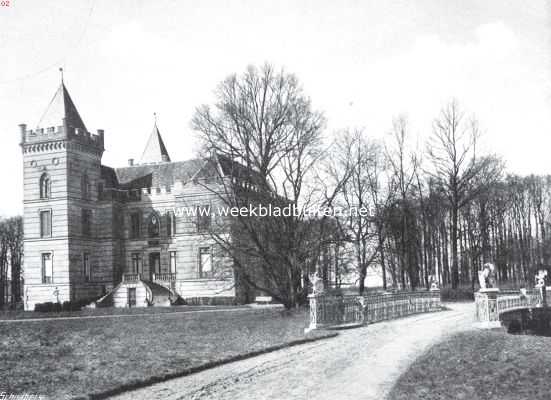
(156, 295)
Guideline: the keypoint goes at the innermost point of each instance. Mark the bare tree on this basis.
(355, 169)
(263, 129)
(404, 161)
(458, 169)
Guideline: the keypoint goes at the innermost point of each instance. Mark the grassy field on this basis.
(75, 357)
(480, 365)
(86, 312)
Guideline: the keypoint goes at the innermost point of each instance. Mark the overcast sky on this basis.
(361, 62)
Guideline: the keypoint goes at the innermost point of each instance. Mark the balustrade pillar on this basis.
(487, 312)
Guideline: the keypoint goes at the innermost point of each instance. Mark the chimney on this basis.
(130, 162)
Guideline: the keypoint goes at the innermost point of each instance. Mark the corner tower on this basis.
(61, 167)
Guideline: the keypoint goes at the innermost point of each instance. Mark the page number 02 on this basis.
(4, 3)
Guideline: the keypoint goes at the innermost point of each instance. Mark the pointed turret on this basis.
(61, 121)
(62, 112)
(155, 149)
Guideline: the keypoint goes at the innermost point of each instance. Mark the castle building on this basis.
(93, 230)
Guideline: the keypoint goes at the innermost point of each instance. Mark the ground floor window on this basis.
(47, 268)
(205, 262)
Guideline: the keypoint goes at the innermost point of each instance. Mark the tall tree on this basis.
(458, 169)
(263, 121)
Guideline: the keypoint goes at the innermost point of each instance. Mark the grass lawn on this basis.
(481, 365)
(75, 357)
(85, 312)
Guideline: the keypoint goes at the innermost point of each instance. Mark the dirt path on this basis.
(360, 363)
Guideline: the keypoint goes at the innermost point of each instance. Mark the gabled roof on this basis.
(61, 107)
(155, 149)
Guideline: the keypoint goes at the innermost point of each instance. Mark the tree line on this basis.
(439, 210)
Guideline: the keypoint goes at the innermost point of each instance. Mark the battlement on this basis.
(129, 195)
(61, 132)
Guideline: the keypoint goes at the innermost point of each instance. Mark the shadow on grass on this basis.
(193, 370)
(479, 365)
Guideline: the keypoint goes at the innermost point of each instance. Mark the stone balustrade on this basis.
(131, 277)
(330, 310)
(164, 277)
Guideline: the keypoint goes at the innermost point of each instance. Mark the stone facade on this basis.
(90, 228)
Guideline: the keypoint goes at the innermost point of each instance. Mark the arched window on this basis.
(154, 225)
(45, 186)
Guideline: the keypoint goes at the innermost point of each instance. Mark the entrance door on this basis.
(154, 264)
(131, 297)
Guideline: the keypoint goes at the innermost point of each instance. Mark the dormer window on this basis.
(45, 186)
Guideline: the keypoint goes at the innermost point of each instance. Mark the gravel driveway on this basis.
(360, 363)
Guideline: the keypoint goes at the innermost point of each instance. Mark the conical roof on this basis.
(61, 107)
(155, 149)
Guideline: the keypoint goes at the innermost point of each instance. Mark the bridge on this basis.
(334, 311)
(491, 304)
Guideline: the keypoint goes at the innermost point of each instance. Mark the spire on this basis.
(61, 111)
(155, 149)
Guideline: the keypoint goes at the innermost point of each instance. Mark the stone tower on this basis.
(62, 174)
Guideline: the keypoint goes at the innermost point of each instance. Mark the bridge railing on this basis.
(491, 303)
(330, 310)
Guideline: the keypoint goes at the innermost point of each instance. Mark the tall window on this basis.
(205, 262)
(154, 225)
(203, 218)
(47, 268)
(135, 225)
(100, 191)
(86, 270)
(170, 224)
(45, 187)
(85, 187)
(136, 263)
(86, 220)
(45, 223)
(172, 262)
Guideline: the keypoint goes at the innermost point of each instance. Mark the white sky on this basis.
(361, 62)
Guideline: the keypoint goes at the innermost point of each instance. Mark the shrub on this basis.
(459, 294)
(210, 301)
(73, 305)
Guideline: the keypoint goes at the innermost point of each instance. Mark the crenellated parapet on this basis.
(58, 137)
(136, 195)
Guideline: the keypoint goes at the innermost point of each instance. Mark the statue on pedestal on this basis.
(317, 284)
(486, 277)
(433, 282)
(540, 278)
(540, 284)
